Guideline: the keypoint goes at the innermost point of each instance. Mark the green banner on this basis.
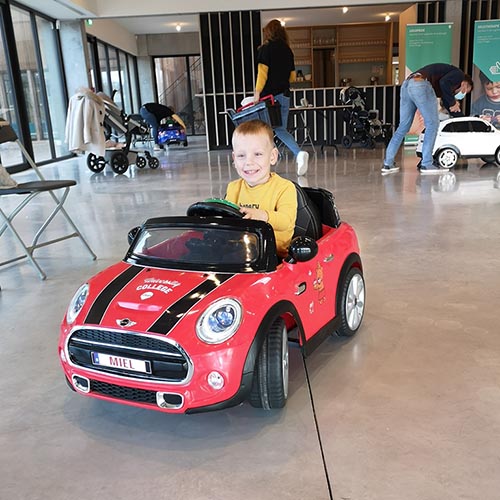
(486, 58)
(427, 44)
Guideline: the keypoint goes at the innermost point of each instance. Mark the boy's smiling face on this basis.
(253, 155)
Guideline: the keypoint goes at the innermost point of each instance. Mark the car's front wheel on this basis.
(447, 158)
(270, 380)
(351, 307)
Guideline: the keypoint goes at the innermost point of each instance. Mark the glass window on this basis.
(104, 69)
(30, 75)
(125, 83)
(479, 126)
(10, 154)
(116, 88)
(51, 73)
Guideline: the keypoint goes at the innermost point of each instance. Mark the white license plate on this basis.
(135, 365)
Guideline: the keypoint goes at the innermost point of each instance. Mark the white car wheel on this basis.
(447, 158)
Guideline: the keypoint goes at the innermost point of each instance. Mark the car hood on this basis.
(147, 299)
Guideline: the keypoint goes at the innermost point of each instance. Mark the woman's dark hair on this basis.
(273, 31)
(467, 78)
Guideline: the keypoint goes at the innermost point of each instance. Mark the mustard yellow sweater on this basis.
(277, 197)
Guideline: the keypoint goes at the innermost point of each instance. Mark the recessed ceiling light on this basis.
(344, 10)
(387, 17)
(178, 27)
(282, 22)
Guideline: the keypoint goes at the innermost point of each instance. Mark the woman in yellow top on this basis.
(261, 194)
(275, 71)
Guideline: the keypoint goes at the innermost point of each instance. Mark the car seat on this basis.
(308, 221)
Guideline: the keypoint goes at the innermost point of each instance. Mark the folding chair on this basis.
(31, 190)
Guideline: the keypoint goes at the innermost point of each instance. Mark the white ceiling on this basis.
(142, 25)
(298, 17)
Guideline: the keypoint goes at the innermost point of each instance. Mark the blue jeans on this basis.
(151, 119)
(281, 132)
(415, 94)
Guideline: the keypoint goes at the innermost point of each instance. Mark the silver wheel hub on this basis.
(355, 301)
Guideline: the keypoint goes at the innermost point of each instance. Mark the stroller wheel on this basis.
(95, 163)
(154, 162)
(119, 163)
(368, 143)
(346, 141)
(185, 143)
(140, 161)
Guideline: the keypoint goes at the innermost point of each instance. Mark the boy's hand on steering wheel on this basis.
(254, 213)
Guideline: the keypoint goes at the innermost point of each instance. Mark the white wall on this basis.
(114, 34)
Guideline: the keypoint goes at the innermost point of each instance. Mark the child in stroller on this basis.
(362, 125)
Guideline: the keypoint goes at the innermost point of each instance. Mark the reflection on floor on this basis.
(407, 409)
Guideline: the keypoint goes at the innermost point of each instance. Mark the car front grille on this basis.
(167, 362)
(123, 393)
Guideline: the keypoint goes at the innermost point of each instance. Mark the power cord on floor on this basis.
(325, 467)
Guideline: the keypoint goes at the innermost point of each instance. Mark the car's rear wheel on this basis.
(351, 305)
(270, 380)
(497, 156)
(447, 158)
(488, 159)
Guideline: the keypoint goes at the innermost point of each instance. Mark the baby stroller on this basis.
(362, 125)
(117, 126)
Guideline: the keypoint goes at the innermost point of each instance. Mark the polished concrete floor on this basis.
(408, 409)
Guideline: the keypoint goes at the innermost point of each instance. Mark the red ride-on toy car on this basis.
(198, 314)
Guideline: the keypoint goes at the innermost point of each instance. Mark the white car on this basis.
(467, 137)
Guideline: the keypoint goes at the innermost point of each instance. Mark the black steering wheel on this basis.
(214, 208)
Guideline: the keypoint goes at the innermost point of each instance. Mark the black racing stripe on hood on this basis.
(176, 311)
(103, 300)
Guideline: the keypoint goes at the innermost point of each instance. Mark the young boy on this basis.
(487, 106)
(262, 194)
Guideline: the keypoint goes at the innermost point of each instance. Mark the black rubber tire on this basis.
(349, 303)
(185, 143)
(346, 141)
(95, 163)
(497, 156)
(119, 162)
(140, 162)
(270, 379)
(154, 162)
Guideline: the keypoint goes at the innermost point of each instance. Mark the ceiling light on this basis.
(282, 22)
(344, 10)
(178, 27)
(387, 17)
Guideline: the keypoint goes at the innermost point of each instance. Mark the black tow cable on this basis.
(325, 467)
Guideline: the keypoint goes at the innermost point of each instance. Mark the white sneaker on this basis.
(302, 162)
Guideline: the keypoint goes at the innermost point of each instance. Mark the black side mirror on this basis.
(132, 234)
(302, 249)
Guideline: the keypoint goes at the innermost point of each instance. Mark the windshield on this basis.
(208, 245)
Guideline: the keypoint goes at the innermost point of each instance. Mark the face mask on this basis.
(459, 96)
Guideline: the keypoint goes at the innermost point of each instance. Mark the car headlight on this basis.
(77, 302)
(220, 321)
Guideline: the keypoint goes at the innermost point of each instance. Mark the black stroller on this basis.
(362, 126)
(118, 126)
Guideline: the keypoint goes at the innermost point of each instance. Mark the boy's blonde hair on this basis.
(254, 127)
